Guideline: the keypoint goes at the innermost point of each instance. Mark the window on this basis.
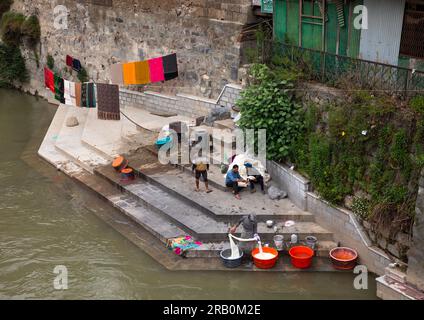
(412, 43)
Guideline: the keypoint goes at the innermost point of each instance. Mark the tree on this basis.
(268, 103)
(11, 28)
(12, 66)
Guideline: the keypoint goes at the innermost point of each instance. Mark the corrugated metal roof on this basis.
(381, 41)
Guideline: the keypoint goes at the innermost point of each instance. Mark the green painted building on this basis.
(394, 33)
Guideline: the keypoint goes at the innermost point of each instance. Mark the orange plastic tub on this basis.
(301, 257)
(265, 263)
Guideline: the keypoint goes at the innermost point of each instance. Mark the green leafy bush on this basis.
(361, 207)
(82, 75)
(31, 31)
(50, 62)
(417, 104)
(367, 145)
(12, 66)
(268, 104)
(10, 28)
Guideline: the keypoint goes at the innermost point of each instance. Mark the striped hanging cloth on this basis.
(340, 13)
(108, 101)
(88, 96)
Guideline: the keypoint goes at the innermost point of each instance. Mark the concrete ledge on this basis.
(390, 289)
(293, 183)
(349, 232)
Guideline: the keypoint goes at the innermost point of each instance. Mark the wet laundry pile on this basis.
(181, 244)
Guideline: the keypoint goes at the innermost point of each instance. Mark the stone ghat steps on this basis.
(195, 222)
(218, 204)
(146, 218)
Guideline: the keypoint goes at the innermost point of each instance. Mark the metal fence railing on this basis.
(343, 71)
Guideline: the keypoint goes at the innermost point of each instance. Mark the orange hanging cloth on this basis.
(142, 72)
(129, 73)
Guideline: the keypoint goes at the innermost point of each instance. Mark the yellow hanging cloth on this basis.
(142, 72)
(129, 73)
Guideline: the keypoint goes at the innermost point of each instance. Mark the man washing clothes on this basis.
(232, 180)
(250, 230)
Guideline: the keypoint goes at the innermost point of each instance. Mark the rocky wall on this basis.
(203, 33)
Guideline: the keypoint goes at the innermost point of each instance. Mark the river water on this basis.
(45, 221)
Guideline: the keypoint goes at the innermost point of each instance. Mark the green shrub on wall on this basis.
(82, 75)
(12, 66)
(370, 147)
(50, 62)
(268, 103)
(31, 31)
(11, 28)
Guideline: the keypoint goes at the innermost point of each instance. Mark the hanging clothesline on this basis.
(144, 72)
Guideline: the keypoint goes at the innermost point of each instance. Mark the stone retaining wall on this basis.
(205, 35)
(294, 184)
(181, 104)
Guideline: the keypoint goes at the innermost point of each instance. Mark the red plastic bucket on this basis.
(301, 257)
(268, 263)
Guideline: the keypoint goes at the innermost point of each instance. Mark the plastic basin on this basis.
(301, 257)
(343, 258)
(230, 263)
(265, 263)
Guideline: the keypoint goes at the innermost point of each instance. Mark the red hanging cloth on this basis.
(49, 79)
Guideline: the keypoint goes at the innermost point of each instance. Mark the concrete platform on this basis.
(152, 122)
(48, 151)
(69, 142)
(111, 142)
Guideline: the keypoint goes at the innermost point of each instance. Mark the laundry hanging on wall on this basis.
(78, 89)
(69, 61)
(76, 65)
(128, 70)
(145, 72)
(88, 95)
(170, 67)
(67, 94)
(142, 72)
(116, 74)
(156, 70)
(108, 102)
(49, 79)
(59, 88)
